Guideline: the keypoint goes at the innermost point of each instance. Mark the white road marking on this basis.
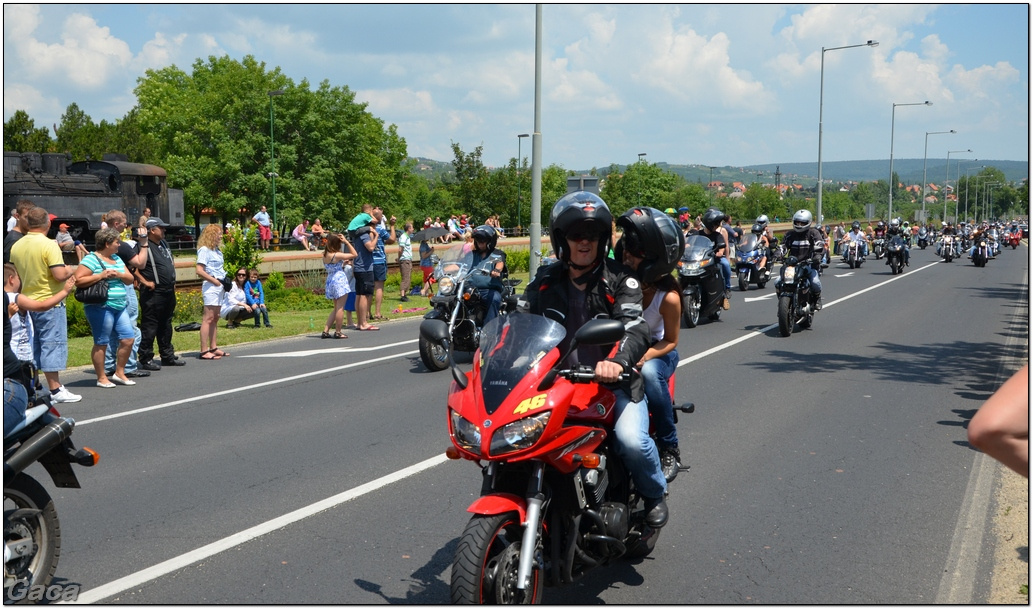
(184, 560)
(764, 297)
(846, 274)
(309, 352)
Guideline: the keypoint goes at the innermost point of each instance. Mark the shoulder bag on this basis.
(96, 293)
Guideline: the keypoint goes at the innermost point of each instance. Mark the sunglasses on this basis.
(582, 236)
(241, 275)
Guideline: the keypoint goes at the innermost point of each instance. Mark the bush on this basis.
(240, 249)
(275, 281)
(518, 260)
(76, 315)
(296, 299)
(189, 307)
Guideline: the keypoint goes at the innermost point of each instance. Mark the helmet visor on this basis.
(801, 223)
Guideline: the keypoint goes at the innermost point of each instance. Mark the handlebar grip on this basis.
(585, 374)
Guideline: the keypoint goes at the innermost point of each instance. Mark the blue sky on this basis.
(708, 84)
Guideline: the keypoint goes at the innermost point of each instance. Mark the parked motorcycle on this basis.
(32, 532)
(895, 254)
(923, 238)
(796, 301)
(700, 280)
(853, 254)
(749, 253)
(947, 245)
(555, 500)
(458, 304)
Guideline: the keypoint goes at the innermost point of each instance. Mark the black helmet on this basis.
(856, 225)
(802, 219)
(486, 233)
(577, 212)
(653, 236)
(757, 229)
(881, 224)
(712, 218)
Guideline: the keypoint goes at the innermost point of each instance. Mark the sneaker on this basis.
(403, 299)
(670, 462)
(63, 395)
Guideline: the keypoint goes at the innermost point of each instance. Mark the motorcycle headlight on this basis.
(466, 434)
(519, 435)
(446, 285)
(790, 273)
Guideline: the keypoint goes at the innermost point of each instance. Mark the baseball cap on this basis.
(155, 221)
(62, 226)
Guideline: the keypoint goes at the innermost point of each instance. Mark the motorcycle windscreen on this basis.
(696, 248)
(748, 244)
(511, 345)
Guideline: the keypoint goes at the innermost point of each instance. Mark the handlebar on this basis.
(586, 374)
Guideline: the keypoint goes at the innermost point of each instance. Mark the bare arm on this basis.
(24, 302)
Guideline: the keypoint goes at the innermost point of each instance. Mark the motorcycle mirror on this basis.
(600, 332)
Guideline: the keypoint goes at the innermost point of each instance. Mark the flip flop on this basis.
(369, 328)
(219, 353)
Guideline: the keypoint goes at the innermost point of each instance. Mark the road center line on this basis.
(184, 560)
(241, 389)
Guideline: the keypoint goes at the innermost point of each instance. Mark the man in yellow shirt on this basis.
(43, 273)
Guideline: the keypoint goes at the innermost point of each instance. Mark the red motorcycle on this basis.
(555, 499)
(1013, 239)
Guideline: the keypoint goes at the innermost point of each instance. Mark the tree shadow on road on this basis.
(426, 587)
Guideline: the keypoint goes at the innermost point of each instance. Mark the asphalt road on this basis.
(827, 467)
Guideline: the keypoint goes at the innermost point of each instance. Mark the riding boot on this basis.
(728, 300)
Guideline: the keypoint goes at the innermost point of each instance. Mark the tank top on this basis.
(653, 318)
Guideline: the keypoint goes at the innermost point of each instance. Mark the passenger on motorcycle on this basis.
(880, 230)
(857, 235)
(584, 284)
(489, 288)
(895, 229)
(765, 243)
(806, 243)
(712, 230)
(770, 239)
(651, 245)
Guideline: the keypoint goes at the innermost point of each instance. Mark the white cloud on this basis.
(20, 96)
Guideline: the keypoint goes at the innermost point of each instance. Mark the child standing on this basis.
(349, 302)
(21, 322)
(254, 295)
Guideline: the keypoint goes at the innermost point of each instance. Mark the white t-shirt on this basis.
(21, 332)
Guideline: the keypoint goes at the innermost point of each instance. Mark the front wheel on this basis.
(30, 523)
(486, 562)
(690, 310)
(785, 315)
(434, 356)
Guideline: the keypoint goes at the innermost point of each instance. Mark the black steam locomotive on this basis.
(80, 193)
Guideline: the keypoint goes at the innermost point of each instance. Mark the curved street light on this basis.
(893, 120)
(272, 150)
(925, 160)
(821, 110)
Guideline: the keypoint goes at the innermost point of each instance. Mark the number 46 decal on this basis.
(530, 404)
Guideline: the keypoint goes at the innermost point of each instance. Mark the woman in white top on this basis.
(651, 245)
(234, 303)
(209, 268)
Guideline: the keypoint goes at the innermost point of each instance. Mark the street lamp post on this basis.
(925, 159)
(520, 137)
(988, 207)
(710, 184)
(272, 150)
(821, 108)
(968, 179)
(638, 200)
(946, 182)
(893, 120)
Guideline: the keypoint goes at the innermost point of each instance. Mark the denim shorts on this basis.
(105, 321)
(379, 271)
(50, 349)
(16, 399)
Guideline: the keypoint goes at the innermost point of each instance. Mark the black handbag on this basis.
(93, 294)
(96, 293)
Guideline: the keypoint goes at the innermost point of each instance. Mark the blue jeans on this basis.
(16, 400)
(133, 310)
(815, 278)
(492, 300)
(656, 373)
(636, 449)
(726, 271)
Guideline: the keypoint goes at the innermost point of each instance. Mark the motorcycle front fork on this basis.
(529, 542)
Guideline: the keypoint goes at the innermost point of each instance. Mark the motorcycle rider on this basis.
(806, 243)
(949, 229)
(769, 237)
(895, 229)
(857, 235)
(651, 245)
(584, 284)
(489, 288)
(765, 244)
(712, 230)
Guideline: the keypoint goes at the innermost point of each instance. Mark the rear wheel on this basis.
(785, 315)
(486, 562)
(434, 356)
(690, 310)
(30, 525)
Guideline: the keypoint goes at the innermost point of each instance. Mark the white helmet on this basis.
(762, 220)
(802, 219)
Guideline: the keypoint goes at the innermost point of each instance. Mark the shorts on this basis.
(428, 274)
(379, 271)
(349, 303)
(364, 283)
(50, 349)
(105, 321)
(212, 294)
(264, 233)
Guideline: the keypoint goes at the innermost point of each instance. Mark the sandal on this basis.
(369, 328)
(340, 335)
(219, 352)
(210, 355)
(324, 335)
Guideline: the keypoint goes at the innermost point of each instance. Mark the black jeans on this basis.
(156, 309)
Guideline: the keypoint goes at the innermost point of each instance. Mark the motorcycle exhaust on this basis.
(42, 442)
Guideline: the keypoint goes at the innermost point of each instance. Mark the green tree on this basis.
(22, 135)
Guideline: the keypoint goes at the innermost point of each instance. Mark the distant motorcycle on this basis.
(749, 253)
(982, 253)
(1013, 240)
(923, 238)
(895, 254)
(947, 245)
(796, 301)
(700, 280)
(853, 254)
(879, 247)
